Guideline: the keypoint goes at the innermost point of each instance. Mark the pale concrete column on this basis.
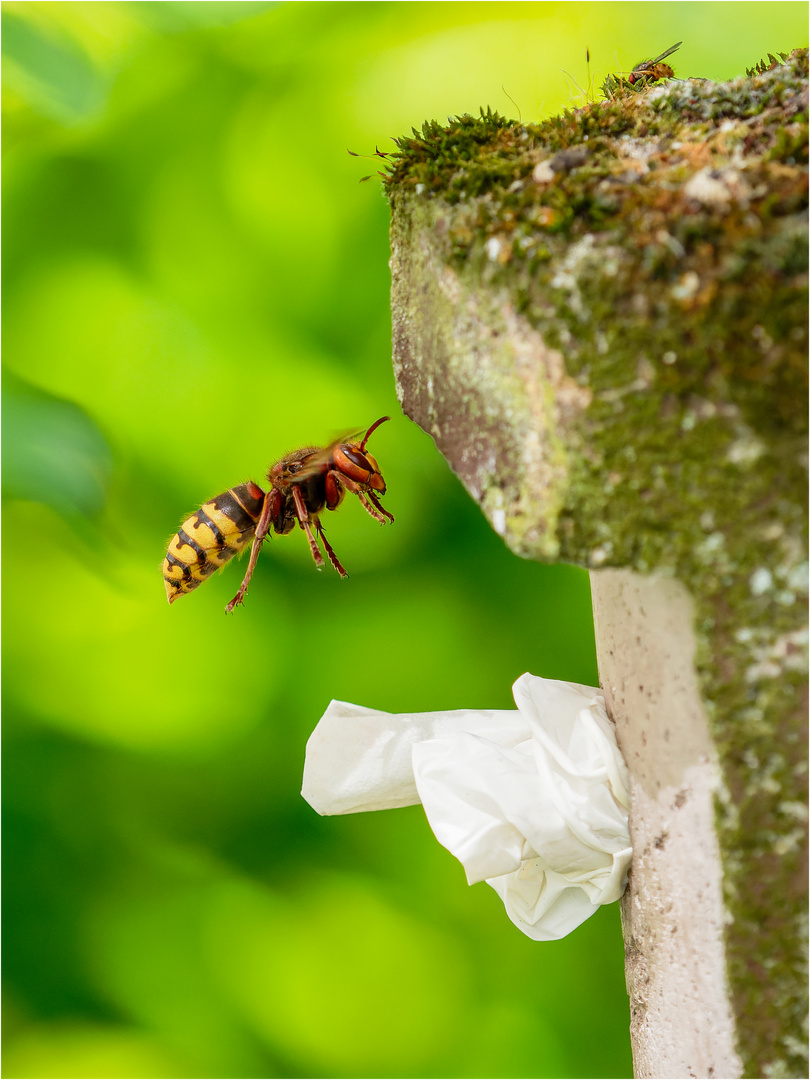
(682, 1022)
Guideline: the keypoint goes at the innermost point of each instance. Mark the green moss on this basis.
(659, 241)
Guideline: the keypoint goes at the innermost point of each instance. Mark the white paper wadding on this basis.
(534, 802)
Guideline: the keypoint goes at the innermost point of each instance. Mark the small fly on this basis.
(652, 70)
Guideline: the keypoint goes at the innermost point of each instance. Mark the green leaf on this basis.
(53, 452)
(51, 73)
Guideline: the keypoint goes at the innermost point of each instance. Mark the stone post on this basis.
(601, 320)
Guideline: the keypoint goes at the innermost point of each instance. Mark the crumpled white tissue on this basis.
(534, 802)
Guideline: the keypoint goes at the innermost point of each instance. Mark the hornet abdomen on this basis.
(210, 537)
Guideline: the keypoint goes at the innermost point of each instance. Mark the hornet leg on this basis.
(333, 559)
(262, 529)
(303, 517)
(368, 498)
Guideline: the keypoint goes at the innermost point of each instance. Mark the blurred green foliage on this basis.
(195, 283)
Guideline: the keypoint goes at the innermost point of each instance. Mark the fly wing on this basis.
(643, 64)
(668, 52)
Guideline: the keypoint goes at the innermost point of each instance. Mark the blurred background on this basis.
(195, 284)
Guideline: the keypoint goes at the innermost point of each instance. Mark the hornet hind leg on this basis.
(269, 511)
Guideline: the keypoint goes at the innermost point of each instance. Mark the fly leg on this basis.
(303, 517)
(262, 529)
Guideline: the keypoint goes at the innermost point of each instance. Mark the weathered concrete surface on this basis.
(674, 910)
(601, 320)
(517, 396)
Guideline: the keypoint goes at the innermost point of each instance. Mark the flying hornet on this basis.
(302, 485)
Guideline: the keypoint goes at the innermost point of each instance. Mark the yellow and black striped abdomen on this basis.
(220, 529)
